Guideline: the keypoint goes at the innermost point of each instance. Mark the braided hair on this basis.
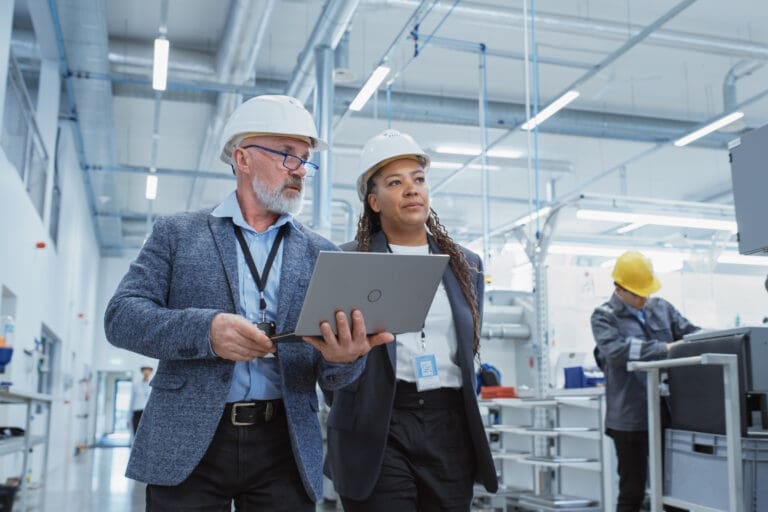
(370, 223)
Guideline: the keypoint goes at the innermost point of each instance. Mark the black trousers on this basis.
(250, 465)
(632, 458)
(429, 463)
(135, 420)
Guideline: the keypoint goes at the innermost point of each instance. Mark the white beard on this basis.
(276, 202)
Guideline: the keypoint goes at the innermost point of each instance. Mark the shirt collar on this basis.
(230, 208)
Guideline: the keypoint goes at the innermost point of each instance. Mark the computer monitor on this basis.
(697, 392)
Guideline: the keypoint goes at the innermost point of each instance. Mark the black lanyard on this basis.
(261, 281)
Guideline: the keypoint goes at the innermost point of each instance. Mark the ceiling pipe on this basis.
(129, 55)
(235, 63)
(740, 70)
(604, 63)
(81, 28)
(427, 108)
(332, 23)
(510, 17)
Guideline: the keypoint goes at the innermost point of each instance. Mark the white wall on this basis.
(55, 286)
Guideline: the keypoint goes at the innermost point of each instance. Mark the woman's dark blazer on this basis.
(358, 424)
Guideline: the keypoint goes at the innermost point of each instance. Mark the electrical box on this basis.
(749, 173)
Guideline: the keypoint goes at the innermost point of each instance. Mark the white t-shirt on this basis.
(140, 395)
(439, 336)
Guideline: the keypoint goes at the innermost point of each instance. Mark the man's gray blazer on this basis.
(358, 424)
(185, 274)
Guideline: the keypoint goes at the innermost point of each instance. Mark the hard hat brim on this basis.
(645, 291)
(362, 181)
(315, 144)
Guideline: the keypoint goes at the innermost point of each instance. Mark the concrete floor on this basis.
(94, 481)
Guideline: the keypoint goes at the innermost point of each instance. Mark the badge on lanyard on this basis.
(426, 372)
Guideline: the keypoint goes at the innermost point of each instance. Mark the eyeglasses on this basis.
(290, 162)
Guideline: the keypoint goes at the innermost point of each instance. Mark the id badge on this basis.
(426, 372)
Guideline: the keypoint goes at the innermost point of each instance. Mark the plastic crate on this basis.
(696, 470)
(576, 377)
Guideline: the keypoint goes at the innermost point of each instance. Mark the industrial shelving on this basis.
(23, 444)
(576, 417)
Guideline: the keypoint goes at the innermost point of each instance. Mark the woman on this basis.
(397, 442)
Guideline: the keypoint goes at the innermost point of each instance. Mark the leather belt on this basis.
(245, 414)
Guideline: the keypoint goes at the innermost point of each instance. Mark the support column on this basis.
(6, 27)
(47, 118)
(321, 197)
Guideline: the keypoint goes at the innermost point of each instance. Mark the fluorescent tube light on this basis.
(452, 166)
(711, 127)
(658, 220)
(160, 65)
(541, 212)
(373, 83)
(471, 150)
(663, 261)
(733, 258)
(550, 110)
(630, 227)
(504, 153)
(151, 190)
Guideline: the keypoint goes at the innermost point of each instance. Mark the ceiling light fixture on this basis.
(711, 127)
(658, 220)
(452, 166)
(630, 227)
(471, 150)
(151, 189)
(550, 110)
(373, 83)
(541, 212)
(160, 64)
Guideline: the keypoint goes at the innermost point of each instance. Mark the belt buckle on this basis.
(233, 415)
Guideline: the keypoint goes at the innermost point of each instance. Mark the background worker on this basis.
(399, 439)
(633, 326)
(227, 421)
(139, 396)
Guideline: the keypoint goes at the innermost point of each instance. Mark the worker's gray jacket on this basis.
(621, 337)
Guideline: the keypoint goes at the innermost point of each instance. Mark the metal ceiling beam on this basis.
(589, 27)
(333, 21)
(605, 62)
(426, 108)
(235, 63)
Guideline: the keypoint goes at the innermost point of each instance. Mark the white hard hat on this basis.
(269, 115)
(386, 147)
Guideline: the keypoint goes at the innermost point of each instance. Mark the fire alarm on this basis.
(40, 245)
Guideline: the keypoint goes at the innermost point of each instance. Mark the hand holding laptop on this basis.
(350, 343)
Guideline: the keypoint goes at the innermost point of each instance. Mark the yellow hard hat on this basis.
(634, 272)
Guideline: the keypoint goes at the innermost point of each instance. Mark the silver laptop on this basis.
(393, 291)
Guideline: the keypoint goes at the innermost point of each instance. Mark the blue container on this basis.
(5, 357)
(574, 377)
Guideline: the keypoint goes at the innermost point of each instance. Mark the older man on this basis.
(231, 415)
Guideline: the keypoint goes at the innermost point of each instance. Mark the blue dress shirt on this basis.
(258, 379)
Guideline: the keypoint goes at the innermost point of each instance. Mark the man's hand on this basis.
(674, 344)
(349, 344)
(235, 338)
